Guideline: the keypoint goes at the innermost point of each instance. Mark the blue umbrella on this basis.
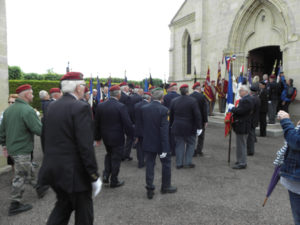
(273, 183)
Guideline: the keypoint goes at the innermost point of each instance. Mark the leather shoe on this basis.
(42, 190)
(105, 180)
(118, 184)
(170, 189)
(150, 194)
(17, 207)
(190, 166)
(239, 167)
(179, 167)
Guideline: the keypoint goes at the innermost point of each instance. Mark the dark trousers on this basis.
(200, 142)
(251, 142)
(222, 104)
(112, 162)
(140, 153)
(263, 124)
(128, 146)
(272, 111)
(295, 206)
(285, 107)
(172, 142)
(81, 202)
(166, 170)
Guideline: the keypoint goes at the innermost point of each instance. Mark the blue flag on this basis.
(109, 85)
(98, 97)
(230, 90)
(91, 93)
(146, 85)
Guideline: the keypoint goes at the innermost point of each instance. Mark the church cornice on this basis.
(184, 20)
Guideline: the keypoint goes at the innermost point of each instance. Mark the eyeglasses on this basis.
(11, 102)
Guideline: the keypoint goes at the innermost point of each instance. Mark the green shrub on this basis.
(14, 72)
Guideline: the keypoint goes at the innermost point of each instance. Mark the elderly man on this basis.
(69, 165)
(19, 125)
(273, 89)
(242, 125)
(45, 100)
(55, 94)
(185, 123)
(112, 122)
(155, 142)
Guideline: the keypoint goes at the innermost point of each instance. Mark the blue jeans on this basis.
(185, 147)
(295, 205)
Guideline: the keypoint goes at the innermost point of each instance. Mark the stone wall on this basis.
(3, 58)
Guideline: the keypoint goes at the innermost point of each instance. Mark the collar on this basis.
(156, 101)
(114, 98)
(21, 101)
(72, 94)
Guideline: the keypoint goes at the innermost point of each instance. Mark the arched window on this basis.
(189, 56)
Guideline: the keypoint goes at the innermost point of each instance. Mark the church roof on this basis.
(173, 19)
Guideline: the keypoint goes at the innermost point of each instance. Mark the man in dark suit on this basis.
(274, 96)
(263, 95)
(242, 125)
(138, 131)
(155, 128)
(197, 94)
(126, 100)
(135, 97)
(185, 123)
(69, 165)
(254, 120)
(111, 121)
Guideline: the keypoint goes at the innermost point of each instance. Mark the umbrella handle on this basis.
(265, 201)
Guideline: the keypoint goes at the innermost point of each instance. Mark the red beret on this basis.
(115, 88)
(213, 81)
(123, 84)
(86, 89)
(173, 84)
(273, 76)
(72, 76)
(197, 84)
(147, 93)
(53, 90)
(184, 86)
(138, 86)
(151, 88)
(23, 87)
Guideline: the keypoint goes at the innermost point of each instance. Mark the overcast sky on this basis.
(98, 37)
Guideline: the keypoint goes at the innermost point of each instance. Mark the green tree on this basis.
(15, 73)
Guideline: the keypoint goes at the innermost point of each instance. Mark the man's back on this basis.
(138, 118)
(169, 97)
(202, 105)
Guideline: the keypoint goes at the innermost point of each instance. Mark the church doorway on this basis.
(261, 60)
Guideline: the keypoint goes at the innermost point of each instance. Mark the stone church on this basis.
(258, 32)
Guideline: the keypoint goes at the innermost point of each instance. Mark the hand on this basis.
(199, 131)
(269, 102)
(5, 153)
(136, 141)
(283, 115)
(205, 125)
(163, 155)
(298, 123)
(98, 143)
(230, 106)
(283, 103)
(96, 187)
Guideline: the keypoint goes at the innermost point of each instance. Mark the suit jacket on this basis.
(134, 99)
(138, 131)
(185, 116)
(69, 160)
(273, 91)
(155, 128)
(242, 115)
(202, 106)
(126, 100)
(264, 100)
(112, 122)
(169, 97)
(256, 108)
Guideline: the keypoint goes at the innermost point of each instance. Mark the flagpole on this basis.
(229, 145)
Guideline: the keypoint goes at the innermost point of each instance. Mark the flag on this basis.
(242, 70)
(195, 75)
(233, 57)
(228, 61)
(249, 77)
(228, 118)
(150, 82)
(109, 85)
(165, 89)
(219, 84)
(125, 78)
(279, 71)
(146, 85)
(207, 88)
(274, 67)
(98, 97)
(91, 92)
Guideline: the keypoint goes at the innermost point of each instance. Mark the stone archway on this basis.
(259, 24)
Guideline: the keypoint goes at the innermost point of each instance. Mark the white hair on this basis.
(115, 93)
(244, 87)
(69, 86)
(123, 87)
(43, 94)
(158, 94)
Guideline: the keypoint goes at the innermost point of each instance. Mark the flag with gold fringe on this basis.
(207, 88)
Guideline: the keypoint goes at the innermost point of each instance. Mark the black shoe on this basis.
(170, 189)
(239, 167)
(42, 190)
(105, 179)
(189, 166)
(179, 167)
(17, 207)
(127, 158)
(119, 184)
(141, 166)
(200, 154)
(250, 154)
(195, 154)
(150, 194)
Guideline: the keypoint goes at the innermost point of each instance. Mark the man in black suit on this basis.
(242, 125)
(111, 121)
(197, 94)
(155, 128)
(263, 95)
(135, 98)
(126, 100)
(138, 131)
(69, 165)
(185, 123)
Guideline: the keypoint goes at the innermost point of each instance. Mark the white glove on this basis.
(269, 102)
(163, 155)
(230, 106)
(96, 187)
(199, 132)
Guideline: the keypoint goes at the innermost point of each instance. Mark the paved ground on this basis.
(212, 193)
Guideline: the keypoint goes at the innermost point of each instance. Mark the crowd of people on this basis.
(157, 125)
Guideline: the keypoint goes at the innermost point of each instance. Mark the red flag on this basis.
(229, 119)
(219, 84)
(207, 89)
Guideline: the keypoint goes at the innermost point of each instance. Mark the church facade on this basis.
(258, 32)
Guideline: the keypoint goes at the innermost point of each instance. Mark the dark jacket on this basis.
(69, 160)
(138, 131)
(255, 114)
(155, 128)
(112, 122)
(202, 105)
(291, 165)
(263, 95)
(134, 99)
(273, 91)
(185, 116)
(242, 115)
(169, 97)
(95, 104)
(126, 100)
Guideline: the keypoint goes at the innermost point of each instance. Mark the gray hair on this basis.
(115, 93)
(244, 88)
(147, 97)
(69, 86)
(265, 76)
(43, 94)
(123, 87)
(157, 94)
